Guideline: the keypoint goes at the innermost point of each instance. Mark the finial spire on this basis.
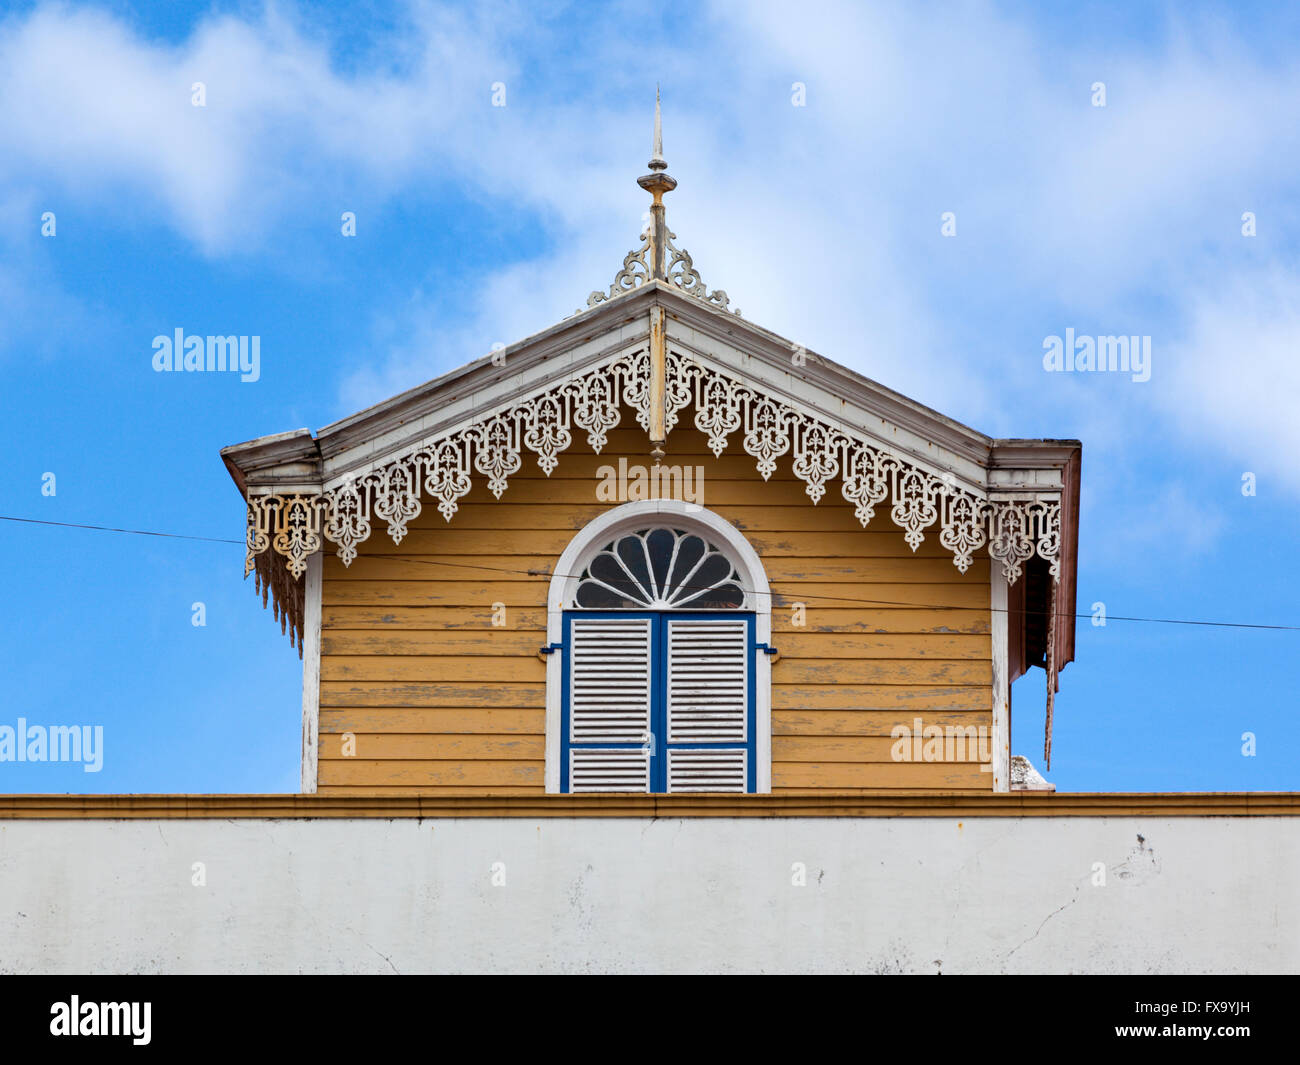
(657, 182)
(657, 255)
(657, 157)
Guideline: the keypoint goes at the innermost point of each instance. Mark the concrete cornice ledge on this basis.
(832, 804)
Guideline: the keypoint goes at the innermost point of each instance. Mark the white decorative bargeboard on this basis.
(441, 469)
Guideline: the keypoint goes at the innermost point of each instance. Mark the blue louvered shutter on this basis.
(610, 690)
(708, 675)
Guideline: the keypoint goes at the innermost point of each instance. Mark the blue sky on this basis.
(479, 225)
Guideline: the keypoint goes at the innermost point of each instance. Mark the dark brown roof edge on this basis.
(831, 804)
(1069, 579)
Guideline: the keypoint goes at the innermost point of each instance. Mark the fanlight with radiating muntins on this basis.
(660, 569)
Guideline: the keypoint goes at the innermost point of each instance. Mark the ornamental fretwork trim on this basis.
(292, 527)
(681, 272)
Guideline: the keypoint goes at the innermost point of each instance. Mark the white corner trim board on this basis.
(311, 647)
(1001, 741)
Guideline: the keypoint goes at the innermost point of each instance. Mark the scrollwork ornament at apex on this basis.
(682, 273)
(634, 274)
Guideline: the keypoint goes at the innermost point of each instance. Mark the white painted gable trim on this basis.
(946, 494)
(311, 649)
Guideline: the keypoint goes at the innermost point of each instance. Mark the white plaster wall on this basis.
(883, 895)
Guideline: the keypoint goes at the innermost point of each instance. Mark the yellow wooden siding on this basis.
(436, 699)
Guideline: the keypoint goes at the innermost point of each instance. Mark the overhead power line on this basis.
(109, 528)
(855, 601)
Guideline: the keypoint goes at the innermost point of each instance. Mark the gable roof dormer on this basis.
(658, 343)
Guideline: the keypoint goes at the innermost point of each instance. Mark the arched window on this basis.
(658, 678)
(660, 568)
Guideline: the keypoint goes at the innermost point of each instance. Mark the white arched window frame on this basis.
(677, 514)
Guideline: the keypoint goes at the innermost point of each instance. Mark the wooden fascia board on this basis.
(792, 387)
(279, 460)
(297, 461)
(464, 396)
(889, 407)
(1068, 607)
(371, 437)
(1032, 454)
(483, 375)
(420, 400)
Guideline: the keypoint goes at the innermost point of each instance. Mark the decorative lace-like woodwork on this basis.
(442, 469)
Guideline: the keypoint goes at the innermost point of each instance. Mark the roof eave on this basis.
(278, 460)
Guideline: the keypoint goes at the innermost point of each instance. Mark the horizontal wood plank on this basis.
(381, 773)
(814, 618)
(880, 697)
(454, 720)
(454, 539)
(374, 693)
(417, 746)
(861, 749)
(937, 775)
(458, 594)
(753, 515)
(455, 642)
(870, 722)
(799, 643)
(433, 619)
(781, 570)
(531, 592)
(449, 669)
(529, 667)
(910, 671)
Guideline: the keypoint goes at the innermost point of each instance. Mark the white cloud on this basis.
(822, 222)
(1235, 377)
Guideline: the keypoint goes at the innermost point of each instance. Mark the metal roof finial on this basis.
(657, 256)
(657, 158)
(657, 182)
